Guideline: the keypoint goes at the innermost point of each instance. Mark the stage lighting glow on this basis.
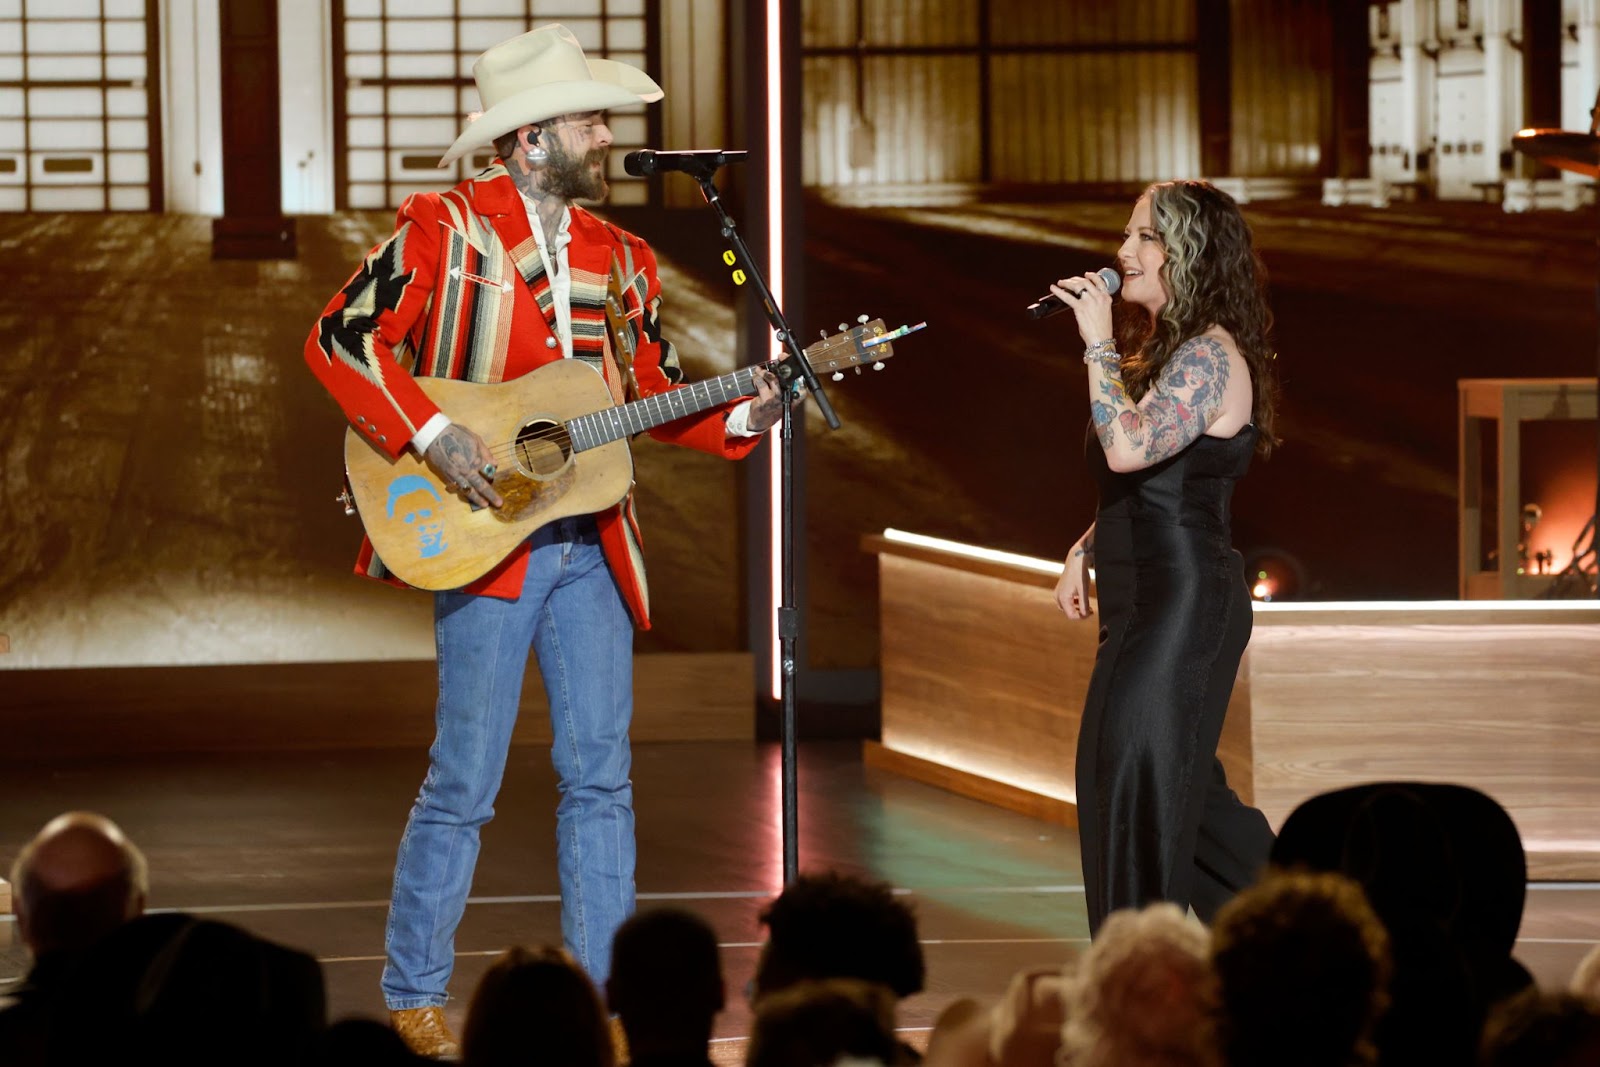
(775, 133)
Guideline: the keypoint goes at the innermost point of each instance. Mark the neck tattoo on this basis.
(547, 205)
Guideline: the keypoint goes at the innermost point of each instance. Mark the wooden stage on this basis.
(983, 680)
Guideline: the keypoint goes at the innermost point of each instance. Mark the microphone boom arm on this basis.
(797, 362)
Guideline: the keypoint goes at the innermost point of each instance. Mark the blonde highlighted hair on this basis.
(1212, 277)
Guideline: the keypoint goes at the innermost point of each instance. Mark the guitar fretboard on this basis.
(610, 424)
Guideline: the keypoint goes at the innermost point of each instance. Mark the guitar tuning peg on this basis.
(843, 327)
(878, 365)
(862, 319)
(858, 369)
(822, 334)
(838, 375)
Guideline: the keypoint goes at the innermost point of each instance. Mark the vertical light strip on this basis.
(775, 279)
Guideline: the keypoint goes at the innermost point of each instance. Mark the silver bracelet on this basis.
(1099, 350)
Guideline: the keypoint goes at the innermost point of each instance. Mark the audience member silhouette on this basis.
(1301, 969)
(364, 1043)
(1536, 1029)
(536, 1006)
(832, 925)
(666, 987)
(78, 879)
(1443, 868)
(823, 1023)
(1138, 995)
(181, 991)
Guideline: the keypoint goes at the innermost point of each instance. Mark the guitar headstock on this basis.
(869, 342)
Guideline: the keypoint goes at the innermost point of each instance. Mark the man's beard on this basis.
(574, 177)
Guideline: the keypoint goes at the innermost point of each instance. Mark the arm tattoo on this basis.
(1184, 401)
(1103, 415)
(1186, 398)
(1131, 428)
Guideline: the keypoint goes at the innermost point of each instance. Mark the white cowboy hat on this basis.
(540, 75)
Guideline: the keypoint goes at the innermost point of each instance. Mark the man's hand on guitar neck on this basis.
(767, 407)
(464, 463)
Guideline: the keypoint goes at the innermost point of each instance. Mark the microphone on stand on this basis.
(699, 163)
(1049, 304)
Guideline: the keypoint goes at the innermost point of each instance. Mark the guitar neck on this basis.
(609, 424)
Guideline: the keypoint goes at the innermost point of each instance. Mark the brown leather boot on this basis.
(619, 1042)
(425, 1032)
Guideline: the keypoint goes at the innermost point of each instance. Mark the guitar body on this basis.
(432, 539)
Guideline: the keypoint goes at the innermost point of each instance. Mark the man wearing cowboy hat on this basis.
(484, 283)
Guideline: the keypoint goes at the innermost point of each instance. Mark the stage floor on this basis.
(300, 848)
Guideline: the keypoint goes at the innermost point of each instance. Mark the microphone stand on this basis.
(791, 373)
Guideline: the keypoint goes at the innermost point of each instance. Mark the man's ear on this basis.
(528, 138)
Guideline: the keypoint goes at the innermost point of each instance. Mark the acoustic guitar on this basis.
(560, 443)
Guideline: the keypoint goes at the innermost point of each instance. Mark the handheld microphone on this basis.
(1049, 304)
(698, 162)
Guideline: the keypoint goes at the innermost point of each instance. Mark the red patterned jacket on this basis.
(459, 292)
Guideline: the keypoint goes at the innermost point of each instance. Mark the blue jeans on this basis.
(573, 616)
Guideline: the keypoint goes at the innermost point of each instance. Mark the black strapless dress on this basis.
(1156, 818)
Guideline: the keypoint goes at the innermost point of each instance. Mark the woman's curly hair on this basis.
(1212, 276)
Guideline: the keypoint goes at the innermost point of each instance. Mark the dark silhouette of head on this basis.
(1537, 1029)
(177, 990)
(364, 1043)
(835, 926)
(1301, 969)
(666, 982)
(816, 1024)
(535, 1005)
(76, 881)
(1444, 869)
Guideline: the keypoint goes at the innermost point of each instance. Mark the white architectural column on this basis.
(305, 105)
(1418, 79)
(1502, 78)
(1575, 113)
(191, 106)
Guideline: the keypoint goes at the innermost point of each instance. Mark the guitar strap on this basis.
(619, 341)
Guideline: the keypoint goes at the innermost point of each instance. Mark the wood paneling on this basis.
(1282, 90)
(1508, 708)
(1094, 117)
(983, 676)
(117, 711)
(976, 786)
(919, 110)
(1091, 22)
(923, 92)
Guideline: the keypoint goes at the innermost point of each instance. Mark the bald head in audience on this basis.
(76, 881)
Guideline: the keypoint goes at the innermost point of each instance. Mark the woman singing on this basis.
(1176, 419)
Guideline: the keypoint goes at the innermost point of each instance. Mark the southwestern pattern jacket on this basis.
(460, 292)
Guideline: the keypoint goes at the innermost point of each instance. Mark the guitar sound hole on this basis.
(543, 448)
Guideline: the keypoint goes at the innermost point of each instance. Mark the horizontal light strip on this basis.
(1043, 566)
(1576, 606)
(956, 548)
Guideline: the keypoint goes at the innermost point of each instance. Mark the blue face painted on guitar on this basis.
(430, 535)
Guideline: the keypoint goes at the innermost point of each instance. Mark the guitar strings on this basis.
(559, 434)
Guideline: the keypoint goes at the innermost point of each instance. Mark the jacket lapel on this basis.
(497, 199)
